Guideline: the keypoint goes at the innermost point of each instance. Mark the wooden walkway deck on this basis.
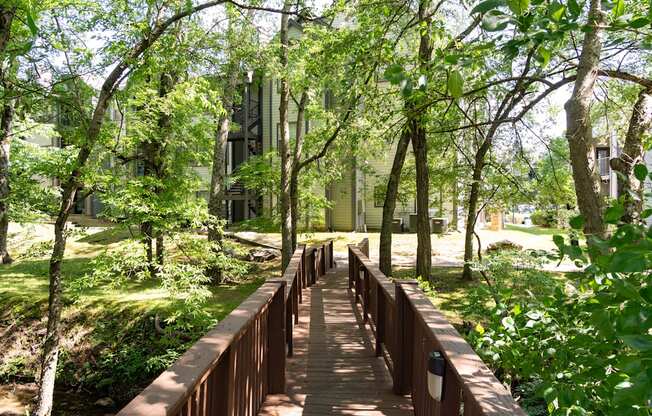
(334, 370)
(300, 345)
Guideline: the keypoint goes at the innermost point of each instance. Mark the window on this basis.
(602, 158)
(379, 196)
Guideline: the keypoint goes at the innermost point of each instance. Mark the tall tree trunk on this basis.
(472, 214)
(424, 250)
(455, 221)
(420, 149)
(296, 167)
(50, 355)
(5, 146)
(284, 145)
(579, 130)
(6, 19)
(630, 188)
(153, 168)
(389, 206)
(218, 172)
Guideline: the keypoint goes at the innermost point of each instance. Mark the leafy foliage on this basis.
(585, 344)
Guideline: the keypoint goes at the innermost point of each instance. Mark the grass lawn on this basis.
(111, 346)
(535, 230)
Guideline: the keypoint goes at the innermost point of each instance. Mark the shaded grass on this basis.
(108, 329)
(447, 291)
(453, 296)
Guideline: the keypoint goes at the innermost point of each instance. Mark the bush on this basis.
(552, 218)
(544, 218)
(585, 345)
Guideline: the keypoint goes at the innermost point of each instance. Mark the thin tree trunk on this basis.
(6, 19)
(153, 168)
(455, 221)
(389, 206)
(630, 188)
(284, 145)
(472, 215)
(296, 167)
(579, 130)
(420, 149)
(5, 146)
(50, 354)
(218, 173)
(160, 250)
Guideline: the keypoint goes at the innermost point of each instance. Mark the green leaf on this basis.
(577, 223)
(31, 24)
(518, 7)
(394, 74)
(455, 84)
(639, 23)
(487, 5)
(559, 241)
(479, 329)
(614, 213)
(619, 8)
(640, 172)
(638, 342)
(544, 54)
(646, 293)
(574, 8)
(628, 262)
(556, 11)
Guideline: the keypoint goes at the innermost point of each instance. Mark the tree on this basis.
(237, 40)
(17, 29)
(630, 186)
(579, 130)
(73, 183)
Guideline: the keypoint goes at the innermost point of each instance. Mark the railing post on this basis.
(351, 266)
(365, 295)
(295, 304)
(322, 261)
(300, 283)
(330, 247)
(358, 289)
(275, 342)
(380, 320)
(404, 340)
(313, 271)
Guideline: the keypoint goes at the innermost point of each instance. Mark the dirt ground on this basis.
(447, 250)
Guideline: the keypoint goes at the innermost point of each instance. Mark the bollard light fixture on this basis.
(436, 371)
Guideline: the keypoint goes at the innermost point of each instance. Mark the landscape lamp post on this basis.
(436, 370)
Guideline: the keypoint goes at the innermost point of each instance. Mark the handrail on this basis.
(408, 327)
(231, 369)
(207, 377)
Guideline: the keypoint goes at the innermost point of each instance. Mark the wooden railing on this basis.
(407, 327)
(231, 369)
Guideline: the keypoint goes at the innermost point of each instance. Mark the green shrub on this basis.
(585, 345)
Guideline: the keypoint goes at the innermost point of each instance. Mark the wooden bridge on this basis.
(326, 340)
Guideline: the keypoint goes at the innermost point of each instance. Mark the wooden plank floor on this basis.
(334, 370)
